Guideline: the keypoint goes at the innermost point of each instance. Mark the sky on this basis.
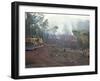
(62, 20)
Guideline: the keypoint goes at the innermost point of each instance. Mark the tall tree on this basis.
(36, 25)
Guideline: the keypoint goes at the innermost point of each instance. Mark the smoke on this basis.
(65, 23)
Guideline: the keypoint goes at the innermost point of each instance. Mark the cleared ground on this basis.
(51, 55)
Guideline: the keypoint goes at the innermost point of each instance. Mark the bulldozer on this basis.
(32, 43)
(35, 41)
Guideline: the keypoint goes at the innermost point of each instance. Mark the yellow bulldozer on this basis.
(35, 41)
